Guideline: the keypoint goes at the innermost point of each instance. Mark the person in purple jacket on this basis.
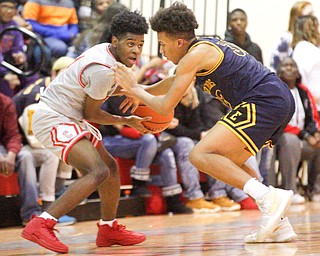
(11, 44)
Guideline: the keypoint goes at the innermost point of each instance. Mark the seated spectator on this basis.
(50, 167)
(301, 138)
(10, 138)
(126, 142)
(194, 115)
(33, 51)
(12, 44)
(55, 21)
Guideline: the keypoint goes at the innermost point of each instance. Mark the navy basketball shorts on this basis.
(260, 121)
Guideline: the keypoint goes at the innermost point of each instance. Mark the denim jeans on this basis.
(218, 188)
(25, 167)
(143, 150)
(177, 158)
(57, 47)
(28, 160)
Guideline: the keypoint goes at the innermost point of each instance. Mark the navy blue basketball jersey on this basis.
(261, 103)
(236, 73)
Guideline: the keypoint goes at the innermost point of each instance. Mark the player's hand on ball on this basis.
(136, 122)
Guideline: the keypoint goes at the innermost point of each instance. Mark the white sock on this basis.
(255, 188)
(104, 222)
(46, 215)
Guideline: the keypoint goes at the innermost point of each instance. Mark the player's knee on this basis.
(113, 168)
(100, 172)
(194, 157)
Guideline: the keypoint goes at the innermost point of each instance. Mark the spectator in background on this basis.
(12, 158)
(306, 53)
(301, 138)
(12, 44)
(55, 20)
(283, 47)
(90, 12)
(51, 169)
(128, 143)
(196, 113)
(236, 33)
(100, 33)
(18, 18)
(98, 7)
(10, 138)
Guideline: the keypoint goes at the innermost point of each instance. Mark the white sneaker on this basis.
(273, 205)
(283, 233)
(298, 199)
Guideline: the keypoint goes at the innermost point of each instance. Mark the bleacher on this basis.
(90, 209)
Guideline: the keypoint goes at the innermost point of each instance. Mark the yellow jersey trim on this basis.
(217, 64)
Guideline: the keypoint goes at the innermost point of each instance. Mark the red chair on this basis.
(9, 185)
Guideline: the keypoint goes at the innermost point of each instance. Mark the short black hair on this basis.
(238, 10)
(176, 20)
(128, 22)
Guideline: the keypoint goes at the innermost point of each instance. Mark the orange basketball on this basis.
(158, 122)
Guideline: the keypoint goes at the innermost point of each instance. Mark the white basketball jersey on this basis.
(66, 94)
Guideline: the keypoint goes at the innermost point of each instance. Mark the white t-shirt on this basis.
(299, 115)
(307, 56)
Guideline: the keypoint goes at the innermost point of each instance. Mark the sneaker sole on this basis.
(287, 234)
(282, 239)
(272, 225)
(205, 210)
(61, 224)
(231, 209)
(40, 242)
(116, 242)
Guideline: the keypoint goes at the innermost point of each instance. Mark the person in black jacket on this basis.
(236, 33)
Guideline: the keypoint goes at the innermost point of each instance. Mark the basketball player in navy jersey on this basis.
(261, 107)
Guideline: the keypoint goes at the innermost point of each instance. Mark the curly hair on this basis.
(306, 28)
(128, 22)
(176, 20)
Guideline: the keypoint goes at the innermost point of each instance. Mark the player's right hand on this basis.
(136, 122)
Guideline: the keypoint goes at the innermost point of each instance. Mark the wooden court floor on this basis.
(195, 235)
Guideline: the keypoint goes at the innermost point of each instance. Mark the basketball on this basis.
(158, 122)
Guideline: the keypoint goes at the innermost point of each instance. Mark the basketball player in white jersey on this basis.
(60, 124)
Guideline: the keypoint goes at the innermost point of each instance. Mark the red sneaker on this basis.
(40, 231)
(117, 234)
(248, 204)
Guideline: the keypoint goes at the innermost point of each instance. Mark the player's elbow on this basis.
(89, 115)
(165, 110)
